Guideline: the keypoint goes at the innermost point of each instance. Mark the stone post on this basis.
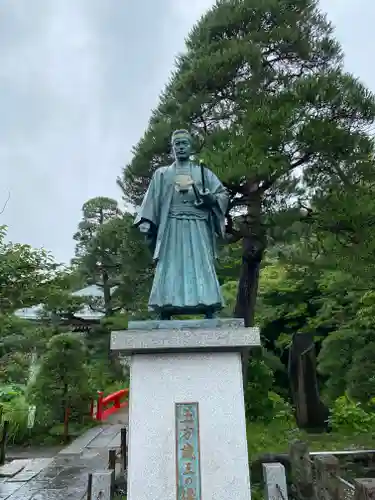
(364, 489)
(275, 481)
(328, 484)
(301, 468)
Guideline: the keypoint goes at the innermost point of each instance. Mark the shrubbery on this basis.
(350, 417)
(272, 425)
(262, 399)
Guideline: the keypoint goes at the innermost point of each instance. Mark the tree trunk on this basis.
(105, 278)
(107, 294)
(65, 413)
(247, 294)
(253, 246)
(248, 283)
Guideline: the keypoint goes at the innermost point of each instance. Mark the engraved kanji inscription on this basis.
(187, 452)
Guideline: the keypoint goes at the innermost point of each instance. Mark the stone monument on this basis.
(187, 429)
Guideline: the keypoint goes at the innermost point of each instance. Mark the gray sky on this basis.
(78, 79)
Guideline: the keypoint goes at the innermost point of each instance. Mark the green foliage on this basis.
(103, 377)
(229, 263)
(275, 437)
(16, 412)
(27, 273)
(14, 368)
(96, 212)
(265, 437)
(71, 368)
(61, 304)
(62, 381)
(97, 246)
(116, 386)
(257, 403)
(334, 361)
(334, 306)
(361, 376)
(285, 303)
(18, 339)
(349, 417)
(346, 358)
(262, 403)
(116, 322)
(229, 290)
(10, 392)
(112, 254)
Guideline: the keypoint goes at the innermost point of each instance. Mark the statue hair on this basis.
(181, 132)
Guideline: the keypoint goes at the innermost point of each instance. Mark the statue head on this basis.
(181, 144)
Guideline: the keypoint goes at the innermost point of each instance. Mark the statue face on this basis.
(181, 148)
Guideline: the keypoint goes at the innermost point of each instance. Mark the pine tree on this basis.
(111, 254)
(61, 386)
(263, 90)
(95, 252)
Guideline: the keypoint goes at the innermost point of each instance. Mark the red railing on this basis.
(106, 406)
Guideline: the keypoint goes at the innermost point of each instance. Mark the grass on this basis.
(275, 438)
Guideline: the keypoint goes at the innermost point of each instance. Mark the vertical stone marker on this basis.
(275, 482)
(187, 451)
(187, 428)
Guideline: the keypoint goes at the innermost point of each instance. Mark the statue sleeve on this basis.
(150, 208)
(221, 197)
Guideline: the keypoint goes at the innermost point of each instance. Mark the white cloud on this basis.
(354, 29)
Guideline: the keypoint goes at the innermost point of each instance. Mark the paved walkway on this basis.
(64, 476)
(23, 452)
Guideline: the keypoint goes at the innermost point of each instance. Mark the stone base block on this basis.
(184, 336)
(214, 381)
(191, 366)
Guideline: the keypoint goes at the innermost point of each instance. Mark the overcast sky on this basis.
(78, 79)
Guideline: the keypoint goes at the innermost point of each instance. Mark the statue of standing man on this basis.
(182, 214)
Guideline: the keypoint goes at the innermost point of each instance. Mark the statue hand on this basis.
(145, 227)
(149, 237)
(208, 199)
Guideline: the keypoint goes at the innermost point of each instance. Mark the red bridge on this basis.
(106, 406)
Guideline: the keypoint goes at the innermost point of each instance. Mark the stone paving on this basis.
(65, 476)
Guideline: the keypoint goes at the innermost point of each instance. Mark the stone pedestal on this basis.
(187, 429)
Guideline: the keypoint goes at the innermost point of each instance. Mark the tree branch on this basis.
(5, 204)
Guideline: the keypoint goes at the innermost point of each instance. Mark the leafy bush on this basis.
(14, 367)
(16, 412)
(102, 377)
(350, 417)
(281, 410)
(260, 381)
(10, 392)
(261, 400)
(118, 321)
(361, 376)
